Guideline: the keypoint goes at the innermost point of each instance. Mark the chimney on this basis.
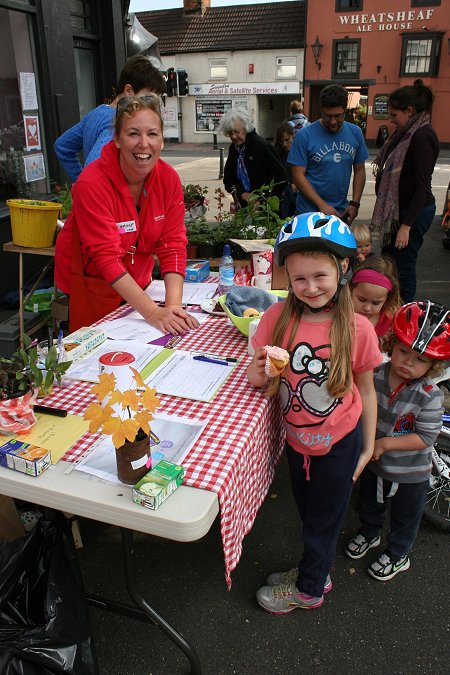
(195, 7)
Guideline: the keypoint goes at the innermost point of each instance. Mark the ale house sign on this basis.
(386, 21)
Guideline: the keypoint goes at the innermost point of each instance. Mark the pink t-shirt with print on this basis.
(313, 419)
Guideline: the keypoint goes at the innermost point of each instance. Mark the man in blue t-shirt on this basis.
(323, 156)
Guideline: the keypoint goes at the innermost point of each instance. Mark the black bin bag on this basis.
(44, 622)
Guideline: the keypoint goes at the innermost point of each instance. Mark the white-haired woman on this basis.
(252, 161)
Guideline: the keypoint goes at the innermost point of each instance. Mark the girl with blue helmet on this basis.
(326, 392)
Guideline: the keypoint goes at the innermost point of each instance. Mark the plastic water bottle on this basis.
(226, 271)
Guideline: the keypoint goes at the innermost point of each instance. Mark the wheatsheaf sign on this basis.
(367, 23)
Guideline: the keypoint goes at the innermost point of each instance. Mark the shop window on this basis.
(287, 67)
(85, 61)
(346, 59)
(82, 15)
(348, 5)
(22, 161)
(420, 55)
(218, 69)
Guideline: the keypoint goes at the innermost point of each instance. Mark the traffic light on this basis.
(183, 84)
(171, 82)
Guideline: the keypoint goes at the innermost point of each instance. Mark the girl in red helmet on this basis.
(409, 421)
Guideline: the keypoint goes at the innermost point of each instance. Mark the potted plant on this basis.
(126, 416)
(33, 222)
(65, 198)
(201, 234)
(194, 200)
(261, 219)
(21, 381)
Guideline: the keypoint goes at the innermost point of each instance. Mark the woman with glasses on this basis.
(252, 161)
(127, 206)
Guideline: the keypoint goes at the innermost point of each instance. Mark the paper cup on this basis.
(118, 363)
(251, 331)
(263, 281)
(262, 262)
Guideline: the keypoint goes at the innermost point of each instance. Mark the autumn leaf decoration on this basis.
(140, 404)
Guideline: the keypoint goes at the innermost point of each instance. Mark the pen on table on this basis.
(207, 359)
(210, 355)
(57, 412)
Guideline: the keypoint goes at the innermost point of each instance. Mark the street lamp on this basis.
(317, 47)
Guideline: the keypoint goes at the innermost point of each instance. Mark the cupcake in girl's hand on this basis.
(276, 361)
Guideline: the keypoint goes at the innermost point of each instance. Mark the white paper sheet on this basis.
(87, 368)
(130, 327)
(177, 436)
(184, 376)
(193, 294)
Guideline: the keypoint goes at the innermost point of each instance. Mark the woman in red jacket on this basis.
(127, 206)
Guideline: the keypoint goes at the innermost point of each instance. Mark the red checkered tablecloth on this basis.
(236, 454)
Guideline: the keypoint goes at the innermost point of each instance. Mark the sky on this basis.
(148, 5)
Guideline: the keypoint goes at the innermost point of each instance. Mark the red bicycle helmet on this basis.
(425, 327)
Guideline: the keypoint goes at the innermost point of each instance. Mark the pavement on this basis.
(364, 626)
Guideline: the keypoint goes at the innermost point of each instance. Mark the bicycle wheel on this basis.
(437, 509)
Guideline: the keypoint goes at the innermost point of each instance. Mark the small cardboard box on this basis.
(60, 309)
(197, 270)
(158, 484)
(24, 457)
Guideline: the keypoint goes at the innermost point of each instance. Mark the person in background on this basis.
(284, 135)
(323, 157)
(138, 78)
(375, 292)
(128, 205)
(405, 206)
(297, 119)
(408, 423)
(252, 161)
(326, 393)
(363, 237)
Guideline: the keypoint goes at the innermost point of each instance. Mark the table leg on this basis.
(21, 303)
(144, 611)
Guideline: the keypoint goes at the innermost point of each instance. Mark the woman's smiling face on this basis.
(140, 142)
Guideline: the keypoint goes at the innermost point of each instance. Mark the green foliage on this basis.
(20, 372)
(260, 218)
(194, 194)
(65, 198)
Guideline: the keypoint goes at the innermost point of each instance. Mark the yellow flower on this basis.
(107, 419)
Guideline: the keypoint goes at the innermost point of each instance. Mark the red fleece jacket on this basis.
(109, 224)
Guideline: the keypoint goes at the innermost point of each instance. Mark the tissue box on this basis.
(158, 484)
(24, 457)
(197, 270)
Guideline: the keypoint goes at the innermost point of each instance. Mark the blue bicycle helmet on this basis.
(315, 232)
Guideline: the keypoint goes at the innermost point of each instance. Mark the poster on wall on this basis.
(34, 167)
(32, 135)
(380, 107)
(169, 113)
(209, 111)
(28, 91)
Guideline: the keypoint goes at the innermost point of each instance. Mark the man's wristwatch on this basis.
(355, 204)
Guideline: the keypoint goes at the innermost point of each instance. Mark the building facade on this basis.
(374, 46)
(57, 61)
(247, 55)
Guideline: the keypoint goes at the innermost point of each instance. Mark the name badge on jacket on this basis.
(126, 226)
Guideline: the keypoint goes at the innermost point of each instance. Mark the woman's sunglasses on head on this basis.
(148, 98)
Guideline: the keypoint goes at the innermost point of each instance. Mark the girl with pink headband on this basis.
(375, 292)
